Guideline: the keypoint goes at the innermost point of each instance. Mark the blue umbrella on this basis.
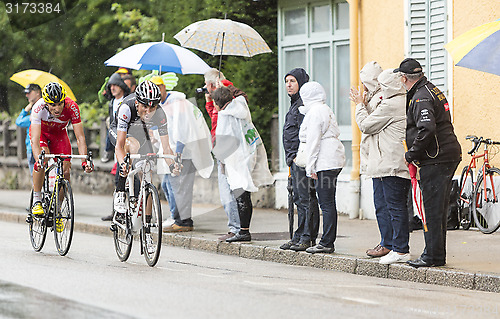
(161, 56)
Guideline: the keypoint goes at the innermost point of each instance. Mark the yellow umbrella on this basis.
(41, 78)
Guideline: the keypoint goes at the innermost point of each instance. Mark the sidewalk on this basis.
(473, 260)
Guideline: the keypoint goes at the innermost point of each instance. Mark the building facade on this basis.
(324, 36)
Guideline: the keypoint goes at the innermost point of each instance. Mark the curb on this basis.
(349, 264)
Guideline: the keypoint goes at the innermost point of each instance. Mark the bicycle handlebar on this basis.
(87, 157)
(477, 141)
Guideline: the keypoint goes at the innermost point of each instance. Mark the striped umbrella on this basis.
(478, 49)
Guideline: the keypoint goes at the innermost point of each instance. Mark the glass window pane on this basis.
(342, 85)
(342, 15)
(295, 59)
(321, 69)
(348, 153)
(295, 21)
(321, 18)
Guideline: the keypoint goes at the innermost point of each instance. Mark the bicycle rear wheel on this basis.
(64, 217)
(122, 234)
(151, 230)
(486, 209)
(465, 199)
(37, 228)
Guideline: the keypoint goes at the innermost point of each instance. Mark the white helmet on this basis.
(148, 93)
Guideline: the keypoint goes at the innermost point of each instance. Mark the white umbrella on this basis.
(161, 56)
(222, 37)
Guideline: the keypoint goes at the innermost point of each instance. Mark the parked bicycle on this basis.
(58, 206)
(144, 215)
(479, 200)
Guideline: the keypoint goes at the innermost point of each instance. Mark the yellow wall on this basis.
(476, 97)
(382, 32)
(476, 100)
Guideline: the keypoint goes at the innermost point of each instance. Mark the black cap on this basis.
(32, 86)
(409, 66)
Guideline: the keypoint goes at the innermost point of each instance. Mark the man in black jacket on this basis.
(432, 146)
(304, 194)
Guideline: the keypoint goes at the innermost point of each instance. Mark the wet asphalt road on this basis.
(90, 282)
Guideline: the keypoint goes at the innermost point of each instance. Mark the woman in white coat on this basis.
(325, 157)
(240, 150)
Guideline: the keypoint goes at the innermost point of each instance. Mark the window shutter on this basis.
(417, 28)
(437, 54)
(427, 37)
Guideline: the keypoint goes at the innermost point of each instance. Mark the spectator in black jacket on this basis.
(304, 193)
(434, 148)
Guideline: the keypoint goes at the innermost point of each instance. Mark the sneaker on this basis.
(320, 249)
(239, 237)
(169, 222)
(107, 157)
(59, 225)
(300, 247)
(119, 204)
(150, 245)
(287, 245)
(174, 228)
(107, 218)
(393, 257)
(37, 209)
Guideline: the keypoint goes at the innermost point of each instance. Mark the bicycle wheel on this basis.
(37, 228)
(64, 217)
(122, 234)
(486, 209)
(151, 228)
(465, 199)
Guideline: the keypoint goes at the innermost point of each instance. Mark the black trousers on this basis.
(245, 208)
(435, 182)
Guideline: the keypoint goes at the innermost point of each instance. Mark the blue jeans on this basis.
(326, 187)
(31, 160)
(304, 197)
(390, 195)
(169, 194)
(228, 201)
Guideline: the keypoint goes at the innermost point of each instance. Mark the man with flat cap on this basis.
(434, 148)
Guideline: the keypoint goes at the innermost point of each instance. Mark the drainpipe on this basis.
(355, 184)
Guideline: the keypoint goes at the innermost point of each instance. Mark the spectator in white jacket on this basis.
(325, 157)
(385, 131)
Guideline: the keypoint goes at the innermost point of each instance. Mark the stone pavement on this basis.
(473, 260)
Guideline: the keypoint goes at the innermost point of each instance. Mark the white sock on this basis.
(37, 197)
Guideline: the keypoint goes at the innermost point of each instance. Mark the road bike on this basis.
(58, 206)
(143, 215)
(479, 200)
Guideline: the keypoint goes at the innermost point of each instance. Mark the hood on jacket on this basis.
(237, 108)
(369, 74)
(311, 93)
(300, 74)
(390, 83)
(116, 79)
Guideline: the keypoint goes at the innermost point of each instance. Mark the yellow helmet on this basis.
(53, 93)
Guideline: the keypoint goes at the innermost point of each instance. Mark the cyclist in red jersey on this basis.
(49, 119)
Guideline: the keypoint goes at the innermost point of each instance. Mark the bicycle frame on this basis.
(484, 169)
(58, 166)
(138, 206)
